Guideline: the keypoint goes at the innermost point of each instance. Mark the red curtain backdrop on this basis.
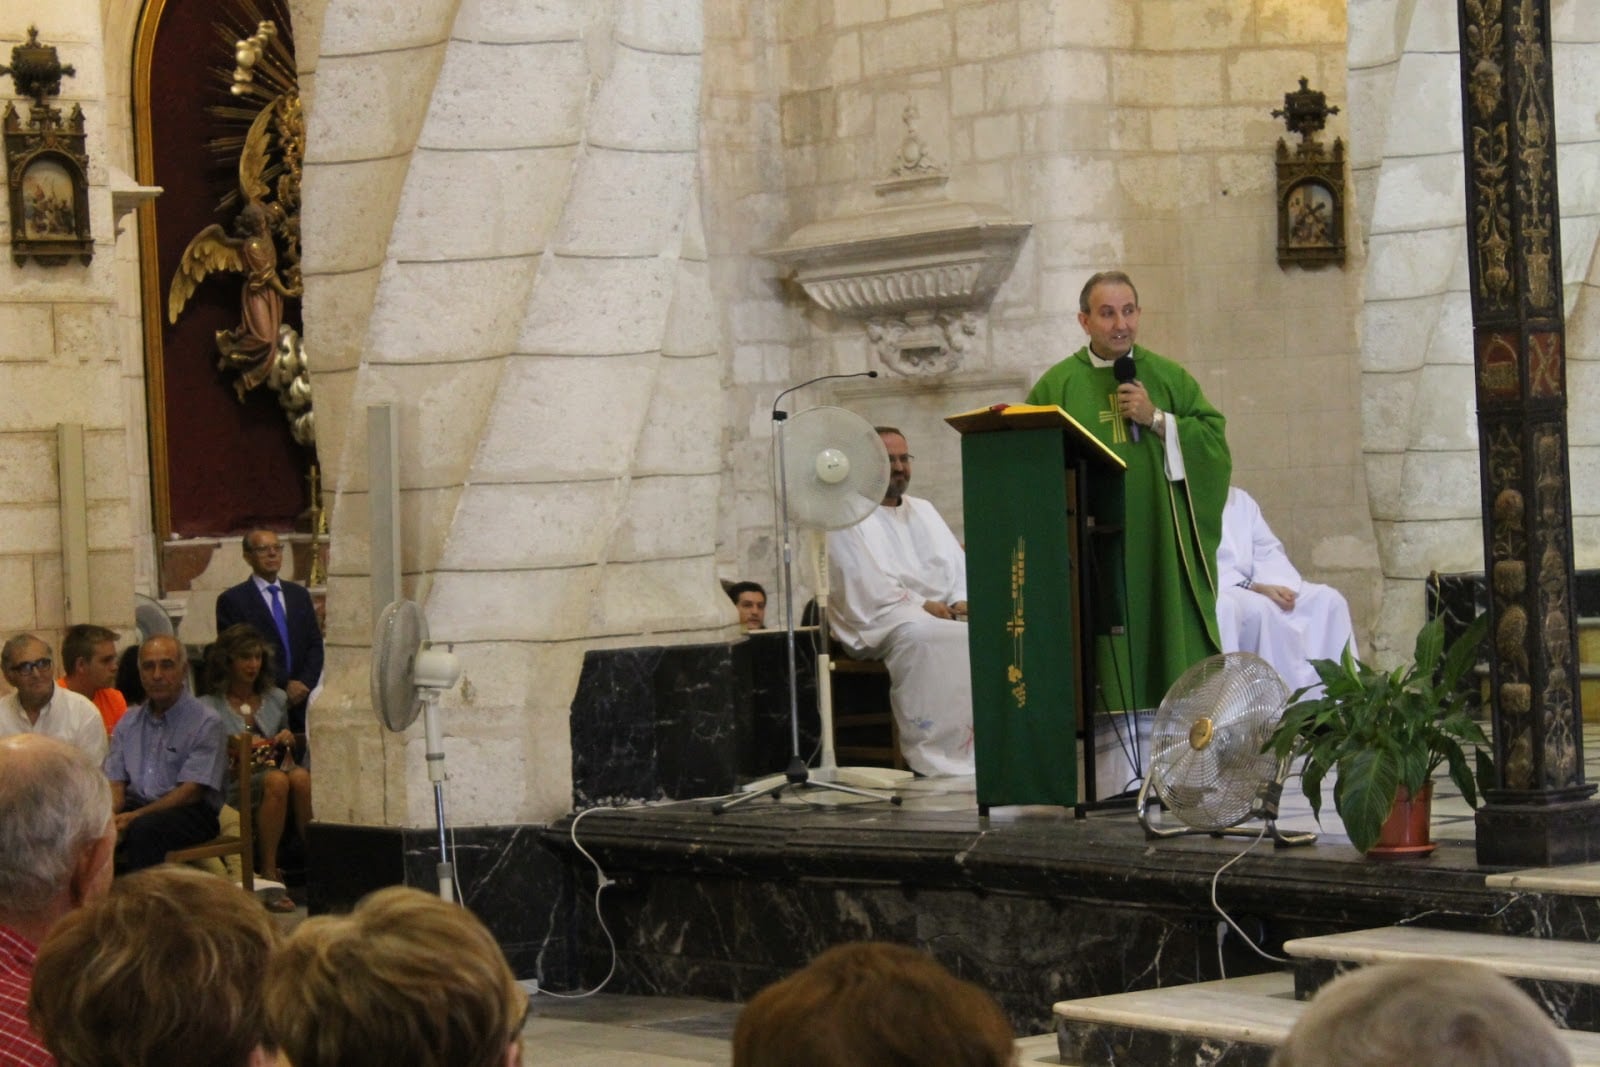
(229, 465)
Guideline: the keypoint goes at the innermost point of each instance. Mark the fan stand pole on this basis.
(435, 740)
(797, 774)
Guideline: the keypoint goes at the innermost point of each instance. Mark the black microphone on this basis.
(779, 415)
(1123, 368)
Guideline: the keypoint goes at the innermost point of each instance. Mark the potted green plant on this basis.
(1386, 733)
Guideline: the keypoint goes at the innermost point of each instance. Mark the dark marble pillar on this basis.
(1541, 811)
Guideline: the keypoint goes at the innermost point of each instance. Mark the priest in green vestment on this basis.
(1176, 448)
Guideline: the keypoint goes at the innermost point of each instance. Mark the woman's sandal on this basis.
(280, 905)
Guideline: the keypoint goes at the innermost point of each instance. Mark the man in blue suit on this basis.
(282, 611)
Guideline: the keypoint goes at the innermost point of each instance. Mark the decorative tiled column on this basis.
(1541, 811)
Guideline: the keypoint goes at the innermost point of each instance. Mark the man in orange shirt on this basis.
(89, 654)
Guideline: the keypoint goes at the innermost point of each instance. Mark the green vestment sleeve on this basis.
(1171, 528)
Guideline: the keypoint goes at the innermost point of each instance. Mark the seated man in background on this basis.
(39, 706)
(403, 979)
(872, 1004)
(167, 968)
(751, 600)
(168, 763)
(56, 841)
(89, 668)
(1265, 607)
(899, 580)
(1423, 1013)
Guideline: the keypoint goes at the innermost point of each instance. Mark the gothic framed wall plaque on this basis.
(47, 162)
(1310, 184)
(48, 186)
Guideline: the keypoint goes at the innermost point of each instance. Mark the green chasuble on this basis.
(1171, 529)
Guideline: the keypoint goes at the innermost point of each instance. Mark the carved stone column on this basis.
(1541, 812)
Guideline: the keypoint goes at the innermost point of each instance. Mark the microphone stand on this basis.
(797, 775)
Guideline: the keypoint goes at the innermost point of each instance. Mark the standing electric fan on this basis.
(832, 472)
(408, 674)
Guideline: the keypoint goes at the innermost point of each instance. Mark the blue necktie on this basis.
(282, 622)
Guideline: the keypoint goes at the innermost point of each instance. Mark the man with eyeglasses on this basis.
(168, 763)
(899, 581)
(283, 614)
(39, 706)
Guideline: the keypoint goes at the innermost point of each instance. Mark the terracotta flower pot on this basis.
(1405, 832)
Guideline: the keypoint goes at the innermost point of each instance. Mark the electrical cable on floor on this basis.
(601, 886)
(1515, 897)
(603, 882)
(1259, 951)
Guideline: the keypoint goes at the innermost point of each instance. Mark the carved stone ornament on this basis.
(923, 344)
(47, 162)
(921, 274)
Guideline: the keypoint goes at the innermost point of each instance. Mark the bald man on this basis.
(168, 763)
(56, 841)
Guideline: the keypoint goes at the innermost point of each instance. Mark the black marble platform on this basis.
(1036, 906)
(674, 721)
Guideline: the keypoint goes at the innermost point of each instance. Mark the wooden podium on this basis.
(1043, 501)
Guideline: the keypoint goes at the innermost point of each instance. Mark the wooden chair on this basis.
(244, 842)
(864, 730)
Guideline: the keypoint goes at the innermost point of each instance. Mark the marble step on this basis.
(1562, 976)
(1041, 1050)
(1577, 880)
(1236, 1022)
(1233, 1023)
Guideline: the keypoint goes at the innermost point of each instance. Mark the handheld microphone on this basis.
(1123, 368)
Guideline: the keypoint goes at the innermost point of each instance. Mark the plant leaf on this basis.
(1430, 643)
(1368, 779)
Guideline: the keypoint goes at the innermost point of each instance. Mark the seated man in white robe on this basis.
(899, 593)
(1265, 607)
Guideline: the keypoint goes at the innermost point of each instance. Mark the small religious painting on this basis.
(48, 208)
(1310, 215)
(1310, 219)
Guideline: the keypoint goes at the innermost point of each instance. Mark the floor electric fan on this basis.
(408, 674)
(1206, 763)
(832, 472)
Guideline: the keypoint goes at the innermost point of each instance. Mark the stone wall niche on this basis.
(920, 276)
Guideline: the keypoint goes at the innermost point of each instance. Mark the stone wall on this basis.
(503, 241)
(69, 354)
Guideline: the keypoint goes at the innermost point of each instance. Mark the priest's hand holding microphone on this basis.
(1134, 403)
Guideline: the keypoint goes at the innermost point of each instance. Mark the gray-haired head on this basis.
(53, 803)
(9, 651)
(1423, 1013)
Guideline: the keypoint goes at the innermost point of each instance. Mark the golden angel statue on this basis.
(248, 347)
(262, 349)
